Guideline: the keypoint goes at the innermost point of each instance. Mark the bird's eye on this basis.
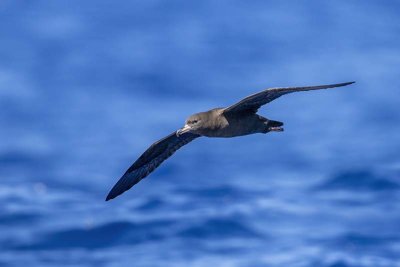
(192, 121)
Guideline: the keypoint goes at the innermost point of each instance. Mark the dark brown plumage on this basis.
(236, 120)
(150, 160)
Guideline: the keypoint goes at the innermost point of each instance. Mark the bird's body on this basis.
(236, 120)
(219, 124)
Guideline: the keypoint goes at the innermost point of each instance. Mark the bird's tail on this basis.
(272, 123)
(274, 126)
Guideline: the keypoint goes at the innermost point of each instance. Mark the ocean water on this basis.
(87, 86)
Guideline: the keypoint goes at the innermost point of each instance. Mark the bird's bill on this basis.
(183, 130)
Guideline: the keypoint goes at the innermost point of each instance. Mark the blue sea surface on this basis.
(87, 86)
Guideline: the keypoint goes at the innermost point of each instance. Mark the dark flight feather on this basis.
(254, 102)
(149, 161)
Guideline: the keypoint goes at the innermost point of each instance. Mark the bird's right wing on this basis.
(149, 161)
(254, 102)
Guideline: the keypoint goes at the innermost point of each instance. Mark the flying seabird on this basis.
(236, 120)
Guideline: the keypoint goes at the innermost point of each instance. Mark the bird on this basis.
(238, 119)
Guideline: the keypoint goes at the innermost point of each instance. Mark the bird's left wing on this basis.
(149, 161)
(254, 102)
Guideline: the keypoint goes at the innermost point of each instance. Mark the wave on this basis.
(360, 180)
(106, 235)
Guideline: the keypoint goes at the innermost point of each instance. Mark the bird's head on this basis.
(193, 124)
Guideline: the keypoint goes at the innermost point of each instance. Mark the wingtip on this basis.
(348, 83)
(340, 84)
(110, 196)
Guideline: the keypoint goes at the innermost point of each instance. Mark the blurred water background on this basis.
(87, 86)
